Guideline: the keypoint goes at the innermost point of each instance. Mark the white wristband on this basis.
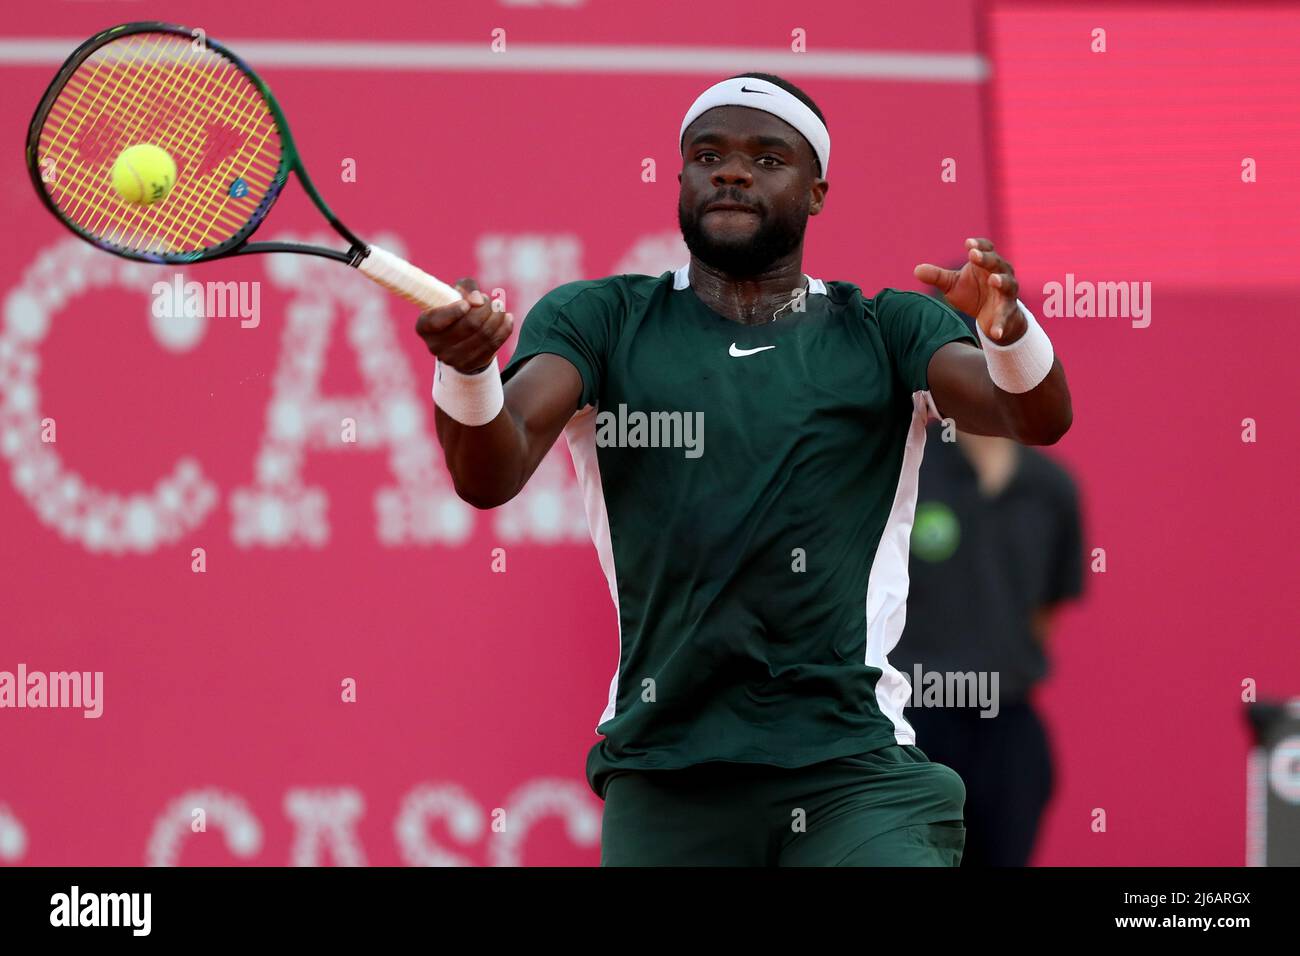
(1018, 367)
(469, 399)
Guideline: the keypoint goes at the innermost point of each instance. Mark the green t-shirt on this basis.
(750, 492)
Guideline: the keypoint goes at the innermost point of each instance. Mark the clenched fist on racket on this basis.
(467, 333)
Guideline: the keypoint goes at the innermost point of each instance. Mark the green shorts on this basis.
(890, 807)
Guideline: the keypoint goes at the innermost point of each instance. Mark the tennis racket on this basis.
(171, 87)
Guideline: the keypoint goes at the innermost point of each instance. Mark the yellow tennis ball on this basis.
(143, 174)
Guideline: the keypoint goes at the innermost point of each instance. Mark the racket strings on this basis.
(131, 97)
(162, 89)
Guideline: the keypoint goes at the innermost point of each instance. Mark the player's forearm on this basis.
(1029, 383)
(491, 458)
(487, 462)
(963, 391)
(1042, 415)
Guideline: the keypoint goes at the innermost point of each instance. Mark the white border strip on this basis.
(549, 58)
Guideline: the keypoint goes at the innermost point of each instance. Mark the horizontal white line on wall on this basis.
(555, 58)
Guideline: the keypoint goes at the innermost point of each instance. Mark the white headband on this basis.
(770, 98)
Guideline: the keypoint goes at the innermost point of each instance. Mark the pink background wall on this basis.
(479, 690)
(1126, 166)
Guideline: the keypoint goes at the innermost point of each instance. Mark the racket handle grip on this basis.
(398, 275)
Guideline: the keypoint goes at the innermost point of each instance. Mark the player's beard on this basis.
(779, 233)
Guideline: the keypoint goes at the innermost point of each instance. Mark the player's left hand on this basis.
(985, 287)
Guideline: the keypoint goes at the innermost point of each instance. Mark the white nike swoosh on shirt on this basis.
(738, 353)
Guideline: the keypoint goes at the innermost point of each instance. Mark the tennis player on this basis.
(758, 568)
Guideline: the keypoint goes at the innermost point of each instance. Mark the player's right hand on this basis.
(465, 334)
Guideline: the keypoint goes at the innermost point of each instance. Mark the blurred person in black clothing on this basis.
(996, 548)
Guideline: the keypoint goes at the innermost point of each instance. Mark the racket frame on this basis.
(236, 245)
